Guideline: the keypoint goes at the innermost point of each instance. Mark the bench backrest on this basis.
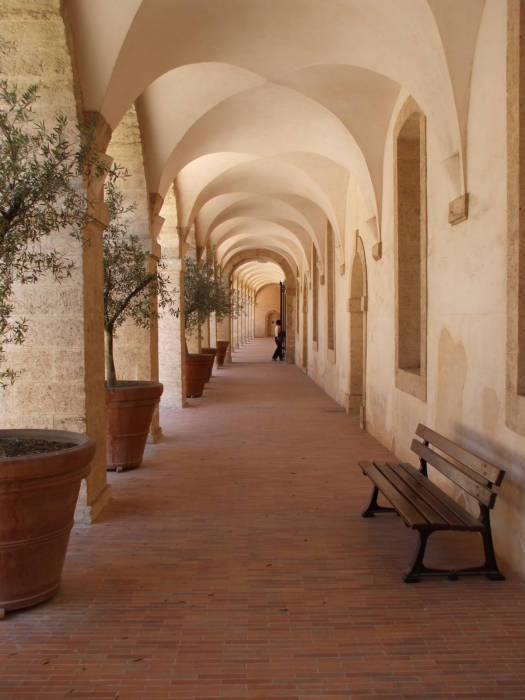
(474, 475)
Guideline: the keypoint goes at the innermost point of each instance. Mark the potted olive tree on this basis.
(41, 194)
(131, 292)
(204, 293)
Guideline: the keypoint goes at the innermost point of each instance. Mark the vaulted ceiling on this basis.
(258, 113)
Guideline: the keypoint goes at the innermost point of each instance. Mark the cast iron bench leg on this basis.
(373, 506)
(491, 565)
(417, 567)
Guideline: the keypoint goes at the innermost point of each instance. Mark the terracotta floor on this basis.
(235, 564)
(258, 350)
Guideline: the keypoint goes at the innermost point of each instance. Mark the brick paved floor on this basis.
(235, 564)
(258, 350)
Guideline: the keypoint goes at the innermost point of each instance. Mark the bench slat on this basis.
(414, 495)
(489, 471)
(472, 475)
(459, 474)
(457, 516)
(404, 507)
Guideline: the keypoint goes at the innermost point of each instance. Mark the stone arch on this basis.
(358, 332)
(215, 175)
(264, 254)
(399, 42)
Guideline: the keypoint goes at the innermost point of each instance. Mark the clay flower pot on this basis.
(197, 372)
(212, 353)
(129, 410)
(38, 495)
(222, 346)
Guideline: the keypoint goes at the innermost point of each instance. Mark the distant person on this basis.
(279, 342)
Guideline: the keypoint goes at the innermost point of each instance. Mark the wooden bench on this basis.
(426, 508)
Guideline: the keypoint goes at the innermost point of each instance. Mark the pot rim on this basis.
(202, 356)
(133, 384)
(133, 390)
(83, 443)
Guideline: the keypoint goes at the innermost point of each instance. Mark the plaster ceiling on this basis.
(257, 274)
(259, 112)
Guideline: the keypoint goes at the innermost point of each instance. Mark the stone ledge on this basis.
(412, 383)
(458, 210)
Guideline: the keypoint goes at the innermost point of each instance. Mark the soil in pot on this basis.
(38, 496)
(14, 447)
(129, 410)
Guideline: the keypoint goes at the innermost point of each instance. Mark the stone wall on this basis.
(50, 390)
(61, 385)
(467, 273)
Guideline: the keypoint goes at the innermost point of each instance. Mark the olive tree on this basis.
(41, 193)
(131, 290)
(205, 292)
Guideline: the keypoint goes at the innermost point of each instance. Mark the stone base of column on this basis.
(155, 435)
(85, 513)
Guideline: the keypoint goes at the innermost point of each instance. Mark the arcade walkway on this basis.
(235, 564)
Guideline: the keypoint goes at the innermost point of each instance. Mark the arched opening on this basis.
(410, 176)
(358, 308)
(261, 258)
(271, 318)
(266, 310)
(305, 324)
(515, 374)
(330, 289)
(315, 298)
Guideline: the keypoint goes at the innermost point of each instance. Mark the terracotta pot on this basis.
(129, 410)
(211, 352)
(222, 346)
(38, 495)
(197, 371)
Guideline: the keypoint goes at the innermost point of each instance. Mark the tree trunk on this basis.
(111, 377)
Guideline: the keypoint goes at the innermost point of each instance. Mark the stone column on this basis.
(243, 316)
(212, 325)
(193, 337)
(155, 226)
(171, 328)
(224, 329)
(248, 313)
(252, 314)
(205, 337)
(235, 324)
(94, 491)
(242, 320)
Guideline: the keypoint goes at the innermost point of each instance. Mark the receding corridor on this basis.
(234, 563)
